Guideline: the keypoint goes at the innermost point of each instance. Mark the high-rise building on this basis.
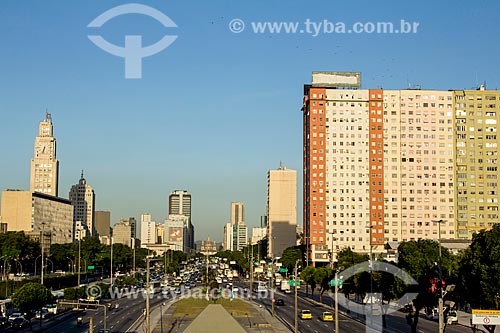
(177, 232)
(82, 197)
(37, 212)
(148, 230)
(477, 117)
(102, 223)
(237, 213)
(281, 210)
(132, 223)
(44, 173)
(160, 233)
(122, 233)
(379, 165)
(258, 234)
(179, 203)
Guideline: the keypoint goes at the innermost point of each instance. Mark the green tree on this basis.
(31, 296)
(290, 256)
(421, 260)
(307, 276)
(480, 270)
(322, 277)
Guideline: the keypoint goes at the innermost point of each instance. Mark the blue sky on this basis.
(216, 110)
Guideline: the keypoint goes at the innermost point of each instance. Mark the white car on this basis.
(235, 289)
(15, 315)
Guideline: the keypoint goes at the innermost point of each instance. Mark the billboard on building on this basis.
(175, 234)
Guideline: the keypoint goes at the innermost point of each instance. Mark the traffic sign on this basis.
(332, 283)
(90, 267)
(486, 317)
(283, 270)
(292, 282)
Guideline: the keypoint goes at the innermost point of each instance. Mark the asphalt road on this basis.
(396, 321)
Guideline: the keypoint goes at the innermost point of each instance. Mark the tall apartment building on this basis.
(386, 165)
(102, 221)
(44, 171)
(148, 230)
(281, 210)
(82, 198)
(477, 115)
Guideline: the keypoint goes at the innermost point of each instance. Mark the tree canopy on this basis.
(31, 296)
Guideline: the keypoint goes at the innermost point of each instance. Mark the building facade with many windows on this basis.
(386, 165)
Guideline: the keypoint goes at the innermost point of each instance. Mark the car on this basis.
(44, 314)
(4, 321)
(305, 314)
(19, 323)
(452, 317)
(102, 330)
(235, 289)
(15, 315)
(279, 301)
(177, 291)
(432, 314)
(326, 316)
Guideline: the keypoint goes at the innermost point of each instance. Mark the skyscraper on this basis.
(82, 198)
(44, 171)
(148, 230)
(179, 204)
(281, 210)
(237, 213)
(102, 223)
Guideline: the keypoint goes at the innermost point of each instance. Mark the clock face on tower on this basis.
(42, 148)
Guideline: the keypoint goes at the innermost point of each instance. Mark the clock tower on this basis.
(44, 165)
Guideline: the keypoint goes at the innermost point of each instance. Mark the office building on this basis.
(44, 171)
(132, 223)
(160, 233)
(179, 204)
(281, 210)
(102, 222)
(148, 230)
(122, 233)
(82, 197)
(34, 212)
(237, 213)
(258, 234)
(177, 232)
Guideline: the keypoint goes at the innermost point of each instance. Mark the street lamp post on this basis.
(36, 261)
(72, 265)
(336, 281)
(111, 265)
(296, 297)
(440, 300)
(79, 255)
(371, 275)
(42, 241)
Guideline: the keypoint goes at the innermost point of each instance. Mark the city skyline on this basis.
(176, 128)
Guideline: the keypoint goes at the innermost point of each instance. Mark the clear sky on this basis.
(216, 110)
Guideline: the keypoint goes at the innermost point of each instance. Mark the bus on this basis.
(6, 307)
(259, 286)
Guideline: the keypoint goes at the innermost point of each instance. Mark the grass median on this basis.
(192, 307)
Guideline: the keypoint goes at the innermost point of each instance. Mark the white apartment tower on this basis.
(148, 230)
(44, 171)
